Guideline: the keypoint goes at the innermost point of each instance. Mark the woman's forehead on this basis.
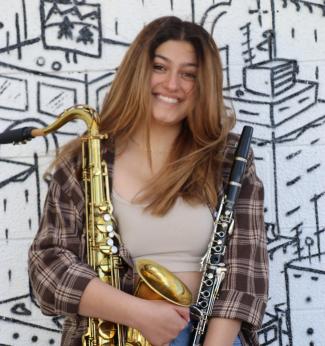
(181, 52)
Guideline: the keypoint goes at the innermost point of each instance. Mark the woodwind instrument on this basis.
(212, 265)
(102, 238)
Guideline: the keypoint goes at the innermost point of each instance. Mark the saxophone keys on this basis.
(114, 249)
(107, 217)
(110, 242)
(109, 228)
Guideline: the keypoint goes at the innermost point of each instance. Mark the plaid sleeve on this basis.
(244, 291)
(57, 274)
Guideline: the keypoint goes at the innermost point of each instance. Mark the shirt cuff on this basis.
(240, 305)
(71, 287)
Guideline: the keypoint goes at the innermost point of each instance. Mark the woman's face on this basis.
(173, 79)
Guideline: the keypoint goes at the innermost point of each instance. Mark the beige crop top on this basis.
(177, 241)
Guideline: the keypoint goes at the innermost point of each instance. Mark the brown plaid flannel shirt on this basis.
(59, 274)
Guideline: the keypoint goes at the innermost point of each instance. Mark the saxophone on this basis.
(103, 241)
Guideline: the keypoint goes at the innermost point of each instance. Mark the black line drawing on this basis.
(284, 101)
(69, 26)
(273, 78)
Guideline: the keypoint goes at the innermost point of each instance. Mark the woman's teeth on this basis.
(167, 99)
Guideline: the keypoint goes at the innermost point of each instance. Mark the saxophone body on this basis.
(102, 238)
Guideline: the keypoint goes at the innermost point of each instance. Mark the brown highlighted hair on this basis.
(193, 168)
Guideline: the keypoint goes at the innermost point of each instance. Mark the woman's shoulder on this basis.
(67, 170)
(229, 154)
(231, 146)
(67, 175)
(232, 139)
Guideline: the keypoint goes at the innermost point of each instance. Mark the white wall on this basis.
(273, 60)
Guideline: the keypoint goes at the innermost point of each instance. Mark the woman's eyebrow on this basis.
(168, 60)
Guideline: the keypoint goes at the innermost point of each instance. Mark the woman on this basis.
(172, 152)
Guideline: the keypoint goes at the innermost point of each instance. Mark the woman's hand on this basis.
(160, 322)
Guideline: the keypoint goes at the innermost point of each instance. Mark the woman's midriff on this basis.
(192, 280)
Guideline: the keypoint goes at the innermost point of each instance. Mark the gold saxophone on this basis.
(103, 240)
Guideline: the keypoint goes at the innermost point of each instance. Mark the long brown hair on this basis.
(193, 168)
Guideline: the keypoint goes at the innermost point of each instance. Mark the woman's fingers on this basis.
(161, 322)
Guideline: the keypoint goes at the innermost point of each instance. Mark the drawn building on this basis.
(281, 96)
(306, 319)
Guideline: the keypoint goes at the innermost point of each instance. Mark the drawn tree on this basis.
(85, 35)
(66, 28)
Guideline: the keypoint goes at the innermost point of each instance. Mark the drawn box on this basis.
(270, 78)
(13, 93)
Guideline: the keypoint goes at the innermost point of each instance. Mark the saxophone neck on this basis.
(82, 112)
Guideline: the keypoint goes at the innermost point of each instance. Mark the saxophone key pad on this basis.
(109, 228)
(114, 249)
(107, 217)
(110, 242)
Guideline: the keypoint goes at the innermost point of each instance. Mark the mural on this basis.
(56, 53)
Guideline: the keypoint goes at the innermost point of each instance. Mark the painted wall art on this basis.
(58, 53)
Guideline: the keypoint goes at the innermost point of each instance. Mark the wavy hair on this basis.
(193, 168)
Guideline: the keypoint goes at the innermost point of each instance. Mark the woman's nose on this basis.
(172, 81)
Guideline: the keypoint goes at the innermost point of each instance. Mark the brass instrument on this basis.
(103, 240)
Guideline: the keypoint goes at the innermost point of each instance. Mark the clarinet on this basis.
(212, 264)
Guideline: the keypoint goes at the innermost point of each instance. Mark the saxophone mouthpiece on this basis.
(21, 135)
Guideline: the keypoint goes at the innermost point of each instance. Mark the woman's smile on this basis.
(166, 99)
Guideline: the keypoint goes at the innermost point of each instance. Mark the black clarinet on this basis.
(212, 265)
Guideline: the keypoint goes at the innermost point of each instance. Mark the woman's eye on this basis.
(189, 75)
(159, 67)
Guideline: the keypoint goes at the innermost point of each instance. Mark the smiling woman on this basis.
(169, 152)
